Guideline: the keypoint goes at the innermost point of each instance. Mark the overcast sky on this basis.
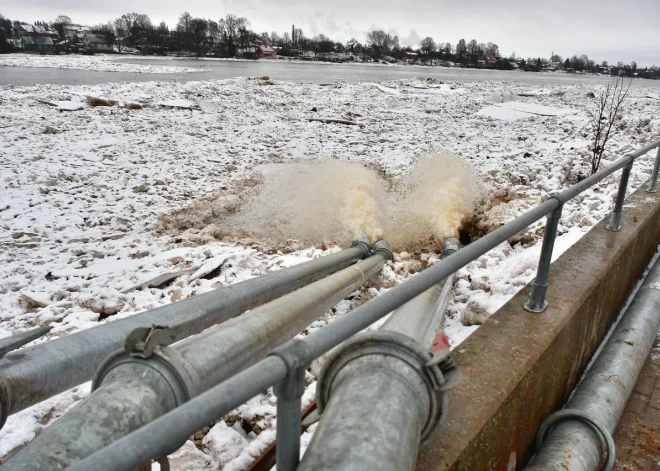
(612, 30)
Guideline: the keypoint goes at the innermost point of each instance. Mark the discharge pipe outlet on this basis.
(129, 391)
(579, 437)
(36, 373)
(381, 393)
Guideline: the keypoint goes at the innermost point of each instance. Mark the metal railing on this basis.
(284, 368)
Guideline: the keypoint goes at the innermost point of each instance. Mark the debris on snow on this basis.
(391, 91)
(224, 443)
(335, 121)
(94, 101)
(541, 92)
(64, 105)
(189, 458)
(33, 300)
(181, 104)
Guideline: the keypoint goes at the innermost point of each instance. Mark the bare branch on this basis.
(604, 117)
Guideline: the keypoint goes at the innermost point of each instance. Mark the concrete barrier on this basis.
(519, 367)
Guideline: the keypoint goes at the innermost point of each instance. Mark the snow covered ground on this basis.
(99, 63)
(89, 200)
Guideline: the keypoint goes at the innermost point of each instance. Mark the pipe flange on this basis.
(605, 438)
(364, 245)
(182, 386)
(383, 248)
(399, 346)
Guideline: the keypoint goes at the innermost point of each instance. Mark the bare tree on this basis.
(492, 49)
(427, 45)
(185, 23)
(604, 116)
(60, 23)
(199, 30)
(232, 24)
(132, 28)
(461, 50)
(382, 41)
(473, 51)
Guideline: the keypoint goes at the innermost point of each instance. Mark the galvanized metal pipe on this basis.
(36, 373)
(157, 438)
(176, 374)
(537, 302)
(570, 439)
(381, 393)
(653, 182)
(289, 417)
(615, 218)
(424, 315)
(378, 407)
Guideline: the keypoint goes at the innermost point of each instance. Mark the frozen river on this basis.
(290, 71)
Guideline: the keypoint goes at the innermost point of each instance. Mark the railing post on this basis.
(536, 302)
(615, 218)
(653, 182)
(289, 417)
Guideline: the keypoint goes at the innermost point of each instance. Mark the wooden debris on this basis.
(336, 121)
(93, 101)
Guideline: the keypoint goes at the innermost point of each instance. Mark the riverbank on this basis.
(91, 199)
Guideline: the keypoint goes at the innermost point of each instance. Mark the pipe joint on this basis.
(606, 441)
(383, 248)
(362, 244)
(166, 366)
(296, 355)
(449, 247)
(402, 347)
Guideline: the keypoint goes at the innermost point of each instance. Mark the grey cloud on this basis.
(610, 30)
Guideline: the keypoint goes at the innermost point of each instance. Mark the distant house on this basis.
(34, 38)
(248, 49)
(37, 44)
(73, 31)
(265, 51)
(22, 30)
(96, 43)
(491, 60)
(355, 47)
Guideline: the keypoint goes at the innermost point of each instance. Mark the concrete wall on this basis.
(519, 367)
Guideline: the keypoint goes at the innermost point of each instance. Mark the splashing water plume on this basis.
(319, 201)
(339, 201)
(432, 201)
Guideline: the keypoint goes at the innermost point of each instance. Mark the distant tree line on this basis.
(226, 36)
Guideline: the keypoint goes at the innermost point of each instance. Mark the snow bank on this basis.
(82, 196)
(98, 63)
